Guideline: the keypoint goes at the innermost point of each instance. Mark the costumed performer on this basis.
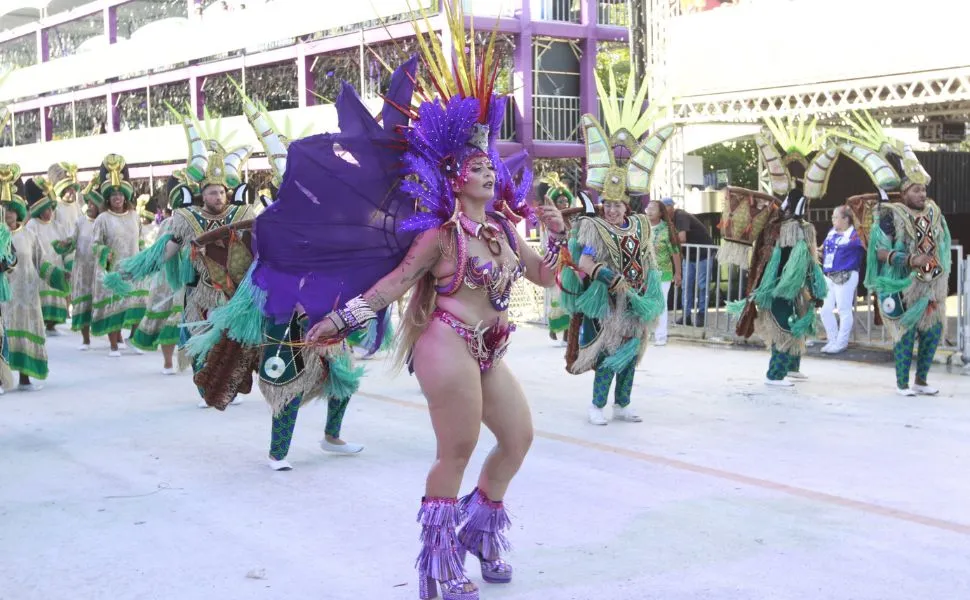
(613, 285)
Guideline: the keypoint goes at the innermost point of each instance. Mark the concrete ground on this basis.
(113, 485)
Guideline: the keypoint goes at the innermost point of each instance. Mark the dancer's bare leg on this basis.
(506, 413)
(451, 382)
(167, 353)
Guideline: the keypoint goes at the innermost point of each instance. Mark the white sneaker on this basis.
(625, 413)
(84, 347)
(908, 392)
(122, 346)
(660, 343)
(236, 401)
(137, 351)
(346, 448)
(30, 387)
(114, 353)
(826, 349)
(925, 390)
(779, 383)
(169, 371)
(596, 416)
(52, 332)
(202, 404)
(797, 376)
(280, 465)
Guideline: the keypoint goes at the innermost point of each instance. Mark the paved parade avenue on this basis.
(114, 486)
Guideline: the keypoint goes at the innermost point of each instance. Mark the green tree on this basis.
(738, 156)
(616, 56)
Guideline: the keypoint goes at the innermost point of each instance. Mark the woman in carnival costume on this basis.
(43, 205)
(612, 286)
(66, 189)
(215, 174)
(666, 249)
(785, 279)
(460, 260)
(551, 188)
(159, 328)
(908, 258)
(79, 245)
(117, 233)
(21, 308)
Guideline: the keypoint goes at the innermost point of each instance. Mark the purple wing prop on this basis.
(335, 229)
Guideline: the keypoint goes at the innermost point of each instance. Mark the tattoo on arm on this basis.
(376, 300)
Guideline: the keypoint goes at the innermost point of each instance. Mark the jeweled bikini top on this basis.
(495, 277)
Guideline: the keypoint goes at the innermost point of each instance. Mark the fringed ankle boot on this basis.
(439, 562)
(481, 534)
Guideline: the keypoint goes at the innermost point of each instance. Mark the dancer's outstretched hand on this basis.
(322, 331)
(551, 216)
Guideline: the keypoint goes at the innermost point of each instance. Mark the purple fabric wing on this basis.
(335, 229)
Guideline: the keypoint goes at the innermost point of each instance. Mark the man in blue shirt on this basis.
(842, 255)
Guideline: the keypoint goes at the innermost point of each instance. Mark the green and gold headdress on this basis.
(113, 177)
(210, 163)
(12, 194)
(617, 164)
(63, 177)
(796, 154)
(91, 192)
(890, 163)
(39, 195)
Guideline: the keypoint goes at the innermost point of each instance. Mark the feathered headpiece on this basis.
(39, 195)
(274, 140)
(461, 122)
(91, 194)
(617, 164)
(892, 165)
(210, 163)
(63, 177)
(796, 156)
(114, 178)
(12, 194)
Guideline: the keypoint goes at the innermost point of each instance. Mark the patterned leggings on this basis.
(903, 353)
(624, 386)
(782, 363)
(285, 423)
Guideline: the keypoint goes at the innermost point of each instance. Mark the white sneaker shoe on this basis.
(30, 387)
(908, 392)
(925, 390)
(625, 413)
(84, 347)
(779, 383)
(169, 371)
(280, 465)
(137, 351)
(202, 404)
(122, 346)
(826, 349)
(236, 401)
(797, 376)
(345, 448)
(115, 353)
(596, 416)
(52, 332)
(660, 342)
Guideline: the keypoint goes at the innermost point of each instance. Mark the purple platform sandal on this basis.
(439, 563)
(481, 535)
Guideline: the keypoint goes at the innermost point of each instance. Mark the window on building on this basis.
(328, 70)
(132, 16)
(67, 38)
(556, 84)
(219, 95)
(91, 116)
(176, 94)
(274, 85)
(18, 52)
(61, 119)
(132, 108)
(26, 126)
